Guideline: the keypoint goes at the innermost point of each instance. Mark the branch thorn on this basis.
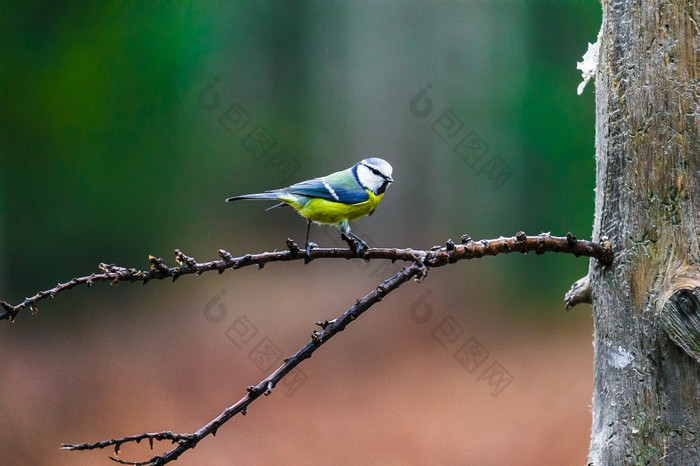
(293, 247)
(323, 324)
(225, 255)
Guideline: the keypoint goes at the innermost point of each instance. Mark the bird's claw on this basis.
(356, 244)
(361, 246)
(309, 246)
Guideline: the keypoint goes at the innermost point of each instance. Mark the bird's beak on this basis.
(389, 179)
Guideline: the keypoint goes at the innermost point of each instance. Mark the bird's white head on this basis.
(374, 174)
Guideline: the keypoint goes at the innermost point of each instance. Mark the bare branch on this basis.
(580, 292)
(318, 338)
(420, 262)
(166, 435)
(435, 257)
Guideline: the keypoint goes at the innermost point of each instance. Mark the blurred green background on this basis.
(125, 126)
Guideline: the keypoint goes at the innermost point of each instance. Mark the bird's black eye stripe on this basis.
(375, 171)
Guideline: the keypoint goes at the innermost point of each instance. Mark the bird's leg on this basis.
(361, 244)
(308, 245)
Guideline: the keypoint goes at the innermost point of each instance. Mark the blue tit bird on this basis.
(335, 199)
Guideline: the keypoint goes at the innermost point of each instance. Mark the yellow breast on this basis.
(333, 213)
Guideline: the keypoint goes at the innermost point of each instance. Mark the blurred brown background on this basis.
(125, 127)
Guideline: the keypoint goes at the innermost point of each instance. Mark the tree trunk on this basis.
(646, 306)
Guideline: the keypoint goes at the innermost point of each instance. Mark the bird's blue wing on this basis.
(337, 187)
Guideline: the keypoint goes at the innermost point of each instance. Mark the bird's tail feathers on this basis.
(259, 197)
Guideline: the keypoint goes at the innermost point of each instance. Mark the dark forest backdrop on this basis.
(125, 127)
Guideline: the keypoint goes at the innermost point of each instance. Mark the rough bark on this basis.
(646, 306)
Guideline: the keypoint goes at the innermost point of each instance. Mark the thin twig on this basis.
(328, 329)
(435, 257)
(166, 435)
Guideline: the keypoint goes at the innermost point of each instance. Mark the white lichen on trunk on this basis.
(589, 63)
